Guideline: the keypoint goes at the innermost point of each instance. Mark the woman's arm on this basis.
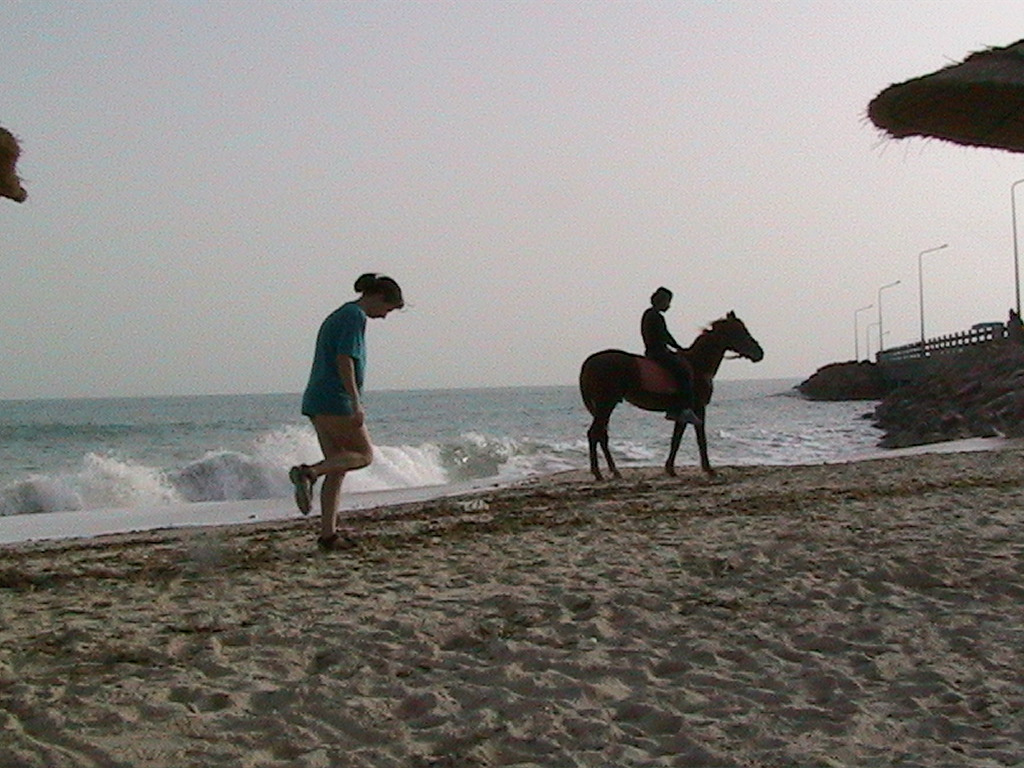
(347, 372)
(674, 345)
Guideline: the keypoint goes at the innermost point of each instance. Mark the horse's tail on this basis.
(586, 390)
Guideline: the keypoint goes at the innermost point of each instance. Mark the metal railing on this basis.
(942, 345)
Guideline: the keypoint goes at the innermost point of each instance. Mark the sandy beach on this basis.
(860, 614)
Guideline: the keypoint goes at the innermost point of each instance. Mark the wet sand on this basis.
(861, 614)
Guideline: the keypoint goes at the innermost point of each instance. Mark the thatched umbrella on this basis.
(978, 102)
(10, 184)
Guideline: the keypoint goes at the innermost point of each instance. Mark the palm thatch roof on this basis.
(978, 102)
(10, 184)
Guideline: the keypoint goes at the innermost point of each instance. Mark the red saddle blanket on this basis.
(655, 378)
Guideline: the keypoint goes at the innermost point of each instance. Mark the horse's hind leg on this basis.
(597, 435)
(592, 440)
(608, 457)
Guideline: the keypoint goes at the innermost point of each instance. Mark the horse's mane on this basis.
(714, 325)
(711, 327)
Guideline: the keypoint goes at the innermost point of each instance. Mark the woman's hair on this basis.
(380, 285)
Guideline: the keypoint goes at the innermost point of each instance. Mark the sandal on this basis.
(303, 482)
(335, 542)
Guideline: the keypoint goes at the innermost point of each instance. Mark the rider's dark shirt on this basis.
(657, 339)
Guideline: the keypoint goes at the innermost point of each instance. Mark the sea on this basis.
(178, 454)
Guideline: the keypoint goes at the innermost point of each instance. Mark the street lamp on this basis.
(867, 338)
(920, 285)
(856, 335)
(880, 333)
(1016, 260)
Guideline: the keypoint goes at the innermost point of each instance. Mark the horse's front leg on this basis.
(702, 445)
(677, 436)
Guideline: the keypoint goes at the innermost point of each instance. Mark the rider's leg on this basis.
(687, 401)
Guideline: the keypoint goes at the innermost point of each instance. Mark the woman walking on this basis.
(333, 401)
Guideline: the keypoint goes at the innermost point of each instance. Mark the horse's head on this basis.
(736, 338)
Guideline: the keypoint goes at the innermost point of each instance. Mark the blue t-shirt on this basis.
(342, 333)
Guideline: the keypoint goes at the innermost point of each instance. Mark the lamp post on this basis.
(856, 335)
(920, 285)
(880, 333)
(1016, 260)
(867, 338)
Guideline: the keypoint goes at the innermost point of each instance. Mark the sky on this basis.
(207, 179)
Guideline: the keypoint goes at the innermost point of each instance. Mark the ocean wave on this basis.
(37, 494)
(102, 482)
(226, 476)
(178, 451)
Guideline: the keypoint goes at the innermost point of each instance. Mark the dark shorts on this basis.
(335, 403)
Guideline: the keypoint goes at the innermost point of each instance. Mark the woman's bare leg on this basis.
(346, 447)
(330, 497)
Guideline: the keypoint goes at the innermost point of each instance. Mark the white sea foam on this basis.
(399, 467)
(105, 481)
(37, 494)
(102, 481)
(108, 482)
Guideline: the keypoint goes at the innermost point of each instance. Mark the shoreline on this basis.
(86, 523)
(89, 523)
(857, 613)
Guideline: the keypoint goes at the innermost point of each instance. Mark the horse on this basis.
(609, 377)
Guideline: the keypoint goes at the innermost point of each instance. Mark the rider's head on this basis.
(661, 299)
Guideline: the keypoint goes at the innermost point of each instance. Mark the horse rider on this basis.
(660, 346)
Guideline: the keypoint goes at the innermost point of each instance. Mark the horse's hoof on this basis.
(713, 477)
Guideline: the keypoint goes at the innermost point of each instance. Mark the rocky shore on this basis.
(977, 393)
(853, 380)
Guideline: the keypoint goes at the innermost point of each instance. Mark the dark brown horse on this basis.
(607, 378)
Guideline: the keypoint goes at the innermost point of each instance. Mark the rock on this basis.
(975, 393)
(845, 381)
